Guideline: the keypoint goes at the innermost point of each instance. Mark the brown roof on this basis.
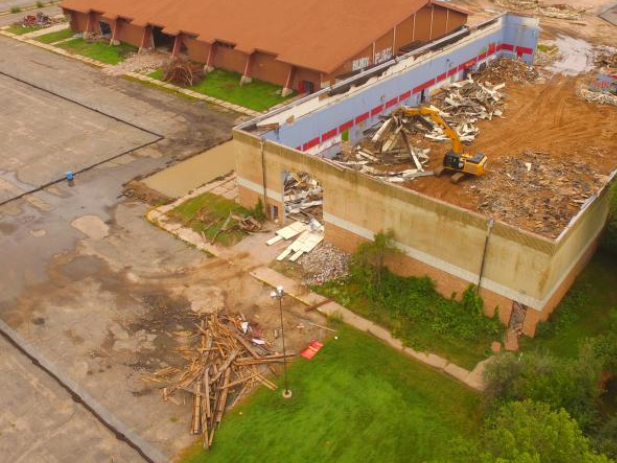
(314, 34)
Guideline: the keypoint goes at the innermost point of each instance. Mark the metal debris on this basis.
(558, 11)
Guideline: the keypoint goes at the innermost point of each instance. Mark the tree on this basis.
(371, 257)
(530, 432)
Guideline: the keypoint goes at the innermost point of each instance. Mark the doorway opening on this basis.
(161, 40)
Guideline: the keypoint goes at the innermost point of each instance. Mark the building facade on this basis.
(334, 39)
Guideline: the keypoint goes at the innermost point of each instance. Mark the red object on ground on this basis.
(311, 350)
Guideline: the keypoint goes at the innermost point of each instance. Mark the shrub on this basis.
(609, 237)
(531, 432)
(573, 385)
(15, 9)
(40, 4)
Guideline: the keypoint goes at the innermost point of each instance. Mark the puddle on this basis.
(187, 175)
(576, 56)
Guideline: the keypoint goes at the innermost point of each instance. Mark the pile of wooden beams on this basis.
(307, 237)
(559, 10)
(183, 72)
(228, 360)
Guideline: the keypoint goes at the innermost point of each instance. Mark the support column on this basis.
(430, 34)
(287, 89)
(89, 26)
(115, 32)
(209, 67)
(175, 51)
(246, 76)
(146, 39)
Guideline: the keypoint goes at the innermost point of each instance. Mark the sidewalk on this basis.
(258, 269)
(134, 75)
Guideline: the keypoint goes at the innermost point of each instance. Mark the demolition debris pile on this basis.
(608, 60)
(144, 62)
(508, 70)
(557, 11)
(229, 359)
(597, 97)
(303, 198)
(38, 20)
(537, 189)
(326, 263)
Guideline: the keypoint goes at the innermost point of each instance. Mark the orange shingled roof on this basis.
(314, 34)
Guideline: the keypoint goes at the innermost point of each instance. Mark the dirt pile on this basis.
(538, 188)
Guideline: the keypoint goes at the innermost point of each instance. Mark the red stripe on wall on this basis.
(309, 144)
(298, 148)
(507, 46)
(481, 56)
(392, 102)
(404, 96)
(452, 71)
(441, 77)
(345, 126)
(524, 50)
(426, 84)
(376, 110)
(328, 135)
(362, 117)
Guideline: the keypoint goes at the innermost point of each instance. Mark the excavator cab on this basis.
(462, 164)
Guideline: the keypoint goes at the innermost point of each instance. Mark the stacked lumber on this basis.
(227, 361)
(303, 197)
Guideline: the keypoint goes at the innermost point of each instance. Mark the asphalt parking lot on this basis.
(81, 268)
(48, 135)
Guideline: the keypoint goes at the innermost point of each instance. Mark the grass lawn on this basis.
(357, 400)
(583, 313)
(20, 30)
(207, 213)
(53, 37)
(420, 334)
(100, 51)
(225, 85)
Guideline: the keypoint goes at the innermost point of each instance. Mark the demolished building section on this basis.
(369, 160)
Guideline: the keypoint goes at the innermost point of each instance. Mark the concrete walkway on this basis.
(259, 270)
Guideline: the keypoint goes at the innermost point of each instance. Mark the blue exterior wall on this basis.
(511, 36)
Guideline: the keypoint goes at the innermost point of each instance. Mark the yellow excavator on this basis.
(455, 160)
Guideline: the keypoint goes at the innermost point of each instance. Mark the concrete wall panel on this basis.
(423, 24)
(130, 33)
(229, 59)
(404, 32)
(197, 50)
(440, 20)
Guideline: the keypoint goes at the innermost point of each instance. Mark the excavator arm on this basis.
(457, 146)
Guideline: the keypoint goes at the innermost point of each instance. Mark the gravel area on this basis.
(324, 263)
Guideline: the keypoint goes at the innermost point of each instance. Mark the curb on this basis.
(135, 75)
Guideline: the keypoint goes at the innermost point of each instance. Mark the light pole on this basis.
(278, 293)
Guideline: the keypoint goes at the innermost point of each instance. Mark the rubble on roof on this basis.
(607, 59)
(558, 11)
(509, 70)
(597, 96)
(537, 187)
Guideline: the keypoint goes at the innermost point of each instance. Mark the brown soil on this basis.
(543, 118)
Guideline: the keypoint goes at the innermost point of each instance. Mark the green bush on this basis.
(408, 304)
(15, 9)
(526, 432)
(40, 4)
(605, 440)
(573, 385)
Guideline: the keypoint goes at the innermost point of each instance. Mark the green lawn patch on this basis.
(208, 213)
(54, 37)
(225, 85)
(420, 317)
(357, 400)
(100, 51)
(583, 313)
(21, 30)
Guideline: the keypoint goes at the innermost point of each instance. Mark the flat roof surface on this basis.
(314, 34)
